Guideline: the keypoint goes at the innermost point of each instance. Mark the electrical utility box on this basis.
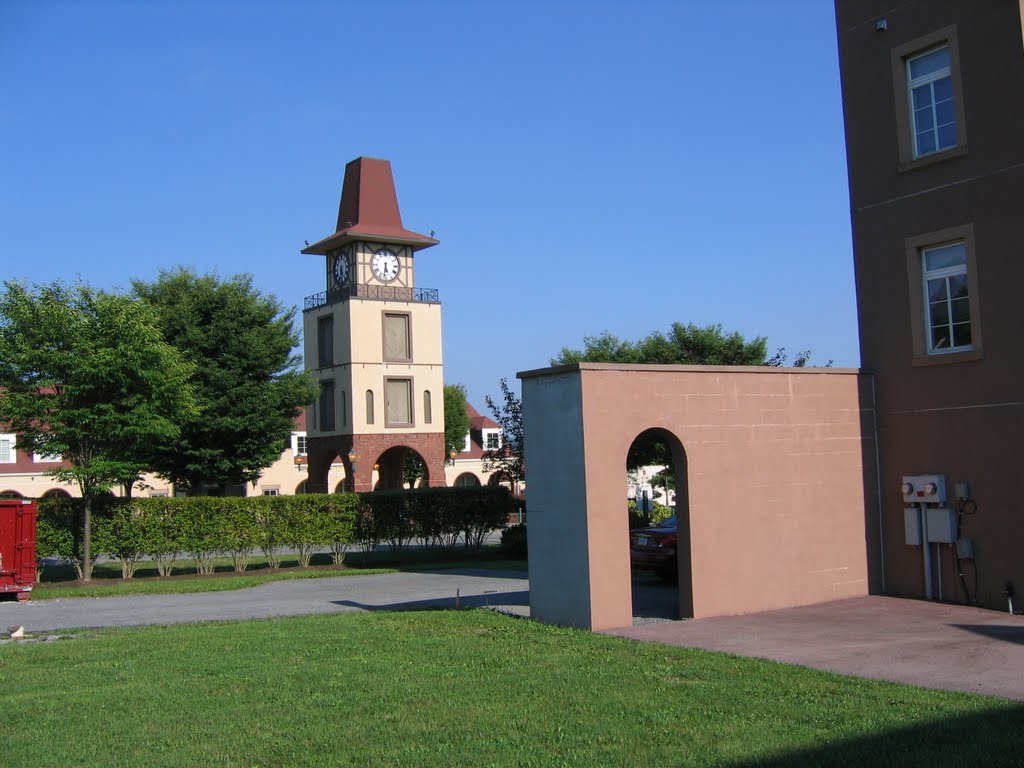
(941, 526)
(928, 489)
(17, 547)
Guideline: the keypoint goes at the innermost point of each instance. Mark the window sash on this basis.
(946, 298)
(7, 449)
(932, 109)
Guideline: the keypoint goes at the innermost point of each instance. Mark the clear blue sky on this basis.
(587, 166)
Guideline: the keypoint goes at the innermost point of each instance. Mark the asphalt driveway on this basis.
(471, 587)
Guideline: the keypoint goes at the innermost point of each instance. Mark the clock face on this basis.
(341, 268)
(384, 265)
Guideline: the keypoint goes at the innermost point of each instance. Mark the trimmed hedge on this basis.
(205, 527)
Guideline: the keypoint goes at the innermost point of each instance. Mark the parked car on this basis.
(654, 549)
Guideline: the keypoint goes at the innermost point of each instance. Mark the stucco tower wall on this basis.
(557, 528)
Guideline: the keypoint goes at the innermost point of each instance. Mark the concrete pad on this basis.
(933, 645)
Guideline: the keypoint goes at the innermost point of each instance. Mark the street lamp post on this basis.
(352, 456)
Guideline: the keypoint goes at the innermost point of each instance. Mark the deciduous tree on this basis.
(510, 458)
(248, 380)
(456, 418)
(87, 375)
(682, 345)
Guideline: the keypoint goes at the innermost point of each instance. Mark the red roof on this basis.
(369, 209)
(477, 421)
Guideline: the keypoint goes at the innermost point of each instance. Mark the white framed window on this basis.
(7, 452)
(271, 491)
(945, 310)
(299, 443)
(492, 440)
(947, 298)
(932, 107)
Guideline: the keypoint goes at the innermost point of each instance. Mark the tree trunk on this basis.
(87, 537)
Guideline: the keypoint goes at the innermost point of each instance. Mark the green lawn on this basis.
(461, 688)
(59, 581)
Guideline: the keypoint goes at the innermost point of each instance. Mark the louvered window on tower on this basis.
(398, 402)
(326, 406)
(325, 341)
(397, 343)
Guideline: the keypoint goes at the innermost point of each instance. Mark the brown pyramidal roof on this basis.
(369, 209)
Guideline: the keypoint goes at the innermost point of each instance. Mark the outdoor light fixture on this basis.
(453, 454)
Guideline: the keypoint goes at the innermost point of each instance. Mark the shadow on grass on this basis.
(992, 738)
(486, 600)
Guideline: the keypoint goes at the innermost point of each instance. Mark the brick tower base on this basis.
(370, 450)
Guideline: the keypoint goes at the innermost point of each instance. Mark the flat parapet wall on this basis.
(775, 485)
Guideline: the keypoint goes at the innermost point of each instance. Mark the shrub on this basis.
(513, 541)
(198, 526)
(339, 515)
(303, 522)
(164, 542)
(53, 539)
(67, 516)
(124, 536)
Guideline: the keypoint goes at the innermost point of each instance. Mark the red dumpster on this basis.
(17, 547)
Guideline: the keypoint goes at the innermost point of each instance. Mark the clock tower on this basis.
(373, 340)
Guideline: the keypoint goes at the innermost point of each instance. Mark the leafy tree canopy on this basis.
(248, 381)
(456, 418)
(511, 457)
(682, 345)
(86, 375)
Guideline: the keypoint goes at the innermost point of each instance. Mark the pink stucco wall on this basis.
(776, 482)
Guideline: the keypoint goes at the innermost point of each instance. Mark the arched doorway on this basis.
(10, 495)
(401, 468)
(659, 550)
(58, 493)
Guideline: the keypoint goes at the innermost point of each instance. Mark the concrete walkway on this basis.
(933, 645)
(475, 587)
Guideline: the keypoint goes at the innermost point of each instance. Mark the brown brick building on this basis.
(933, 97)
